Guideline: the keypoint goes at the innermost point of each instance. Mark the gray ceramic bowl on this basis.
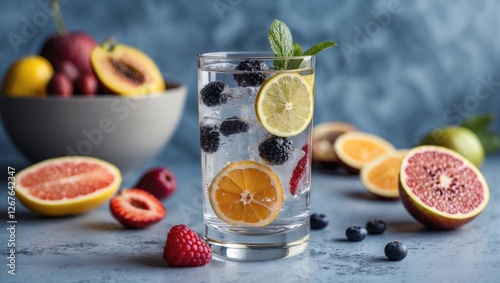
(127, 132)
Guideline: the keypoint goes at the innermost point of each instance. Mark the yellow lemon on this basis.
(28, 77)
(285, 104)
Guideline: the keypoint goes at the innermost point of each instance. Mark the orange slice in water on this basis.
(355, 149)
(246, 193)
(67, 185)
(381, 175)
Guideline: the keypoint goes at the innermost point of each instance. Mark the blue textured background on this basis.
(401, 67)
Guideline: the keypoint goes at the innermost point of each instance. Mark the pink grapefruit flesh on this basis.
(67, 185)
(440, 188)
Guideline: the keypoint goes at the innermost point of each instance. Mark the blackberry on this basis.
(355, 233)
(395, 250)
(375, 226)
(233, 125)
(212, 94)
(209, 138)
(318, 221)
(253, 75)
(275, 150)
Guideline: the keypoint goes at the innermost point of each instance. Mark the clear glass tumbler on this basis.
(271, 220)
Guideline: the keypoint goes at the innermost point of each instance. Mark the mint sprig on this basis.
(479, 125)
(281, 41)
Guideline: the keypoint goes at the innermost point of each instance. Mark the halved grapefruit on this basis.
(440, 188)
(67, 185)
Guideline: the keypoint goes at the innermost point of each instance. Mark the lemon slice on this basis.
(285, 104)
(310, 81)
(246, 193)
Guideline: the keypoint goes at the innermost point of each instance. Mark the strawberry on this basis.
(185, 248)
(137, 208)
(299, 170)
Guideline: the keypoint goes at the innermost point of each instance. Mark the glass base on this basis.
(254, 247)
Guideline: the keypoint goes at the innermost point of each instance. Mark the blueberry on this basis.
(355, 233)
(233, 125)
(318, 221)
(395, 250)
(275, 150)
(252, 75)
(375, 226)
(212, 94)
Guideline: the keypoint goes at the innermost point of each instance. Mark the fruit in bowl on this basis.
(45, 116)
(124, 70)
(72, 63)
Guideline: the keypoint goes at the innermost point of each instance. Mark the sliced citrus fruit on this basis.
(355, 149)
(67, 185)
(285, 104)
(324, 136)
(246, 193)
(440, 188)
(310, 80)
(381, 175)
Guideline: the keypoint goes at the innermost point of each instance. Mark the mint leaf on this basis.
(319, 47)
(295, 63)
(297, 49)
(280, 39)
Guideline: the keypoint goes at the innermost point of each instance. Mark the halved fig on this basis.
(125, 70)
(440, 188)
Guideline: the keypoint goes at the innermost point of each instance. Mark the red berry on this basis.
(298, 171)
(68, 68)
(137, 208)
(60, 85)
(185, 248)
(86, 84)
(159, 181)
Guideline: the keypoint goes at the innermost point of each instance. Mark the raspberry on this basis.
(233, 125)
(212, 94)
(253, 75)
(185, 248)
(275, 150)
(298, 171)
(209, 138)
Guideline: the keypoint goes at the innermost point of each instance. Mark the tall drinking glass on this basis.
(255, 172)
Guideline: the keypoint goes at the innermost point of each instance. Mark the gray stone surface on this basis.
(94, 248)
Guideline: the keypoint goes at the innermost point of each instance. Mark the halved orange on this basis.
(67, 185)
(246, 193)
(355, 149)
(381, 175)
